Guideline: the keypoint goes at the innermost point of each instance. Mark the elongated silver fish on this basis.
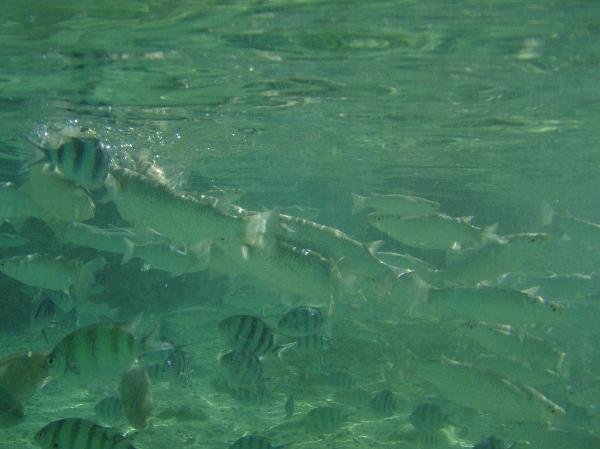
(54, 273)
(247, 332)
(436, 231)
(301, 321)
(98, 349)
(77, 433)
(394, 204)
(110, 240)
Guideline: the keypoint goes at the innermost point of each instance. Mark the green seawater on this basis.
(489, 107)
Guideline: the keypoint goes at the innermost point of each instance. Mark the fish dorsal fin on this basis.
(531, 291)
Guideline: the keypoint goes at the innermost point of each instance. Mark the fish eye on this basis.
(51, 360)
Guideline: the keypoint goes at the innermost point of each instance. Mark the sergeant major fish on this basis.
(301, 321)
(77, 433)
(82, 160)
(247, 332)
(242, 369)
(98, 349)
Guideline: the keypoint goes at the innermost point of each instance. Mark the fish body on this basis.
(23, 373)
(58, 198)
(167, 258)
(247, 332)
(289, 406)
(394, 204)
(149, 204)
(16, 206)
(341, 380)
(11, 410)
(242, 369)
(109, 410)
(136, 396)
(8, 240)
(176, 368)
(323, 419)
(96, 349)
(435, 231)
(351, 256)
(487, 391)
(82, 160)
(384, 403)
(108, 240)
(77, 433)
(301, 321)
(509, 254)
(493, 443)
(493, 305)
(53, 273)
(309, 344)
(253, 442)
(428, 417)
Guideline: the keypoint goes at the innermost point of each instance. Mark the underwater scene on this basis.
(299, 223)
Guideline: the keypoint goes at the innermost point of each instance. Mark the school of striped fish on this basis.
(329, 337)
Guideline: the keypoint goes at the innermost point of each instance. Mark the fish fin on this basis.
(456, 246)
(86, 283)
(547, 214)
(201, 254)
(373, 247)
(151, 341)
(261, 228)
(489, 234)
(531, 291)
(358, 203)
(129, 251)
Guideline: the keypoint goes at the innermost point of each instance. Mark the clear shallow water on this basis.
(487, 107)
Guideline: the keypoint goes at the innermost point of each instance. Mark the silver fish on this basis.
(394, 204)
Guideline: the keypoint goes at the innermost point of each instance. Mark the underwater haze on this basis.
(314, 223)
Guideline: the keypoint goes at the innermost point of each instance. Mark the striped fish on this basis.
(428, 417)
(76, 433)
(242, 369)
(175, 368)
(85, 161)
(109, 410)
(341, 380)
(98, 349)
(301, 321)
(323, 419)
(384, 403)
(247, 332)
(493, 443)
(253, 442)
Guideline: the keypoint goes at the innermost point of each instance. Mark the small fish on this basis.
(82, 160)
(301, 321)
(99, 349)
(247, 332)
(54, 273)
(309, 343)
(394, 204)
(341, 380)
(242, 369)
(16, 206)
(435, 231)
(77, 433)
(493, 443)
(11, 410)
(176, 368)
(8, 240)
(23, 373)
(109, 240)
(384, 403)
(254, 442)
(288, 407)
(323, 419)
(109, 410)
(428, 417)
(136, 396)
(57, 198)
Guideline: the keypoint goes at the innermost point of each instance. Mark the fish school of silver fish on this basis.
(494, 349)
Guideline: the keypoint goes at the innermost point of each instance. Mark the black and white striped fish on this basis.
(301, 321)
(247, 332)
(384, 403)
(175, 368)
(109, 410)
(77, 433)
(85, 161)
(242, 369)
(254, 442)
(428, 417)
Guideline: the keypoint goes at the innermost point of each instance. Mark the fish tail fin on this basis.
(129, 251)
(547, 214)
(201, 254)
(489, 234)
(358, 203)
(261, 229)
(86, 283)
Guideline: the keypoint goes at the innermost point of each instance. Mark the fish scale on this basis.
(247, 332)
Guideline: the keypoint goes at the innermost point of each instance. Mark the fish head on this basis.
(56, 363)
(42, 437)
